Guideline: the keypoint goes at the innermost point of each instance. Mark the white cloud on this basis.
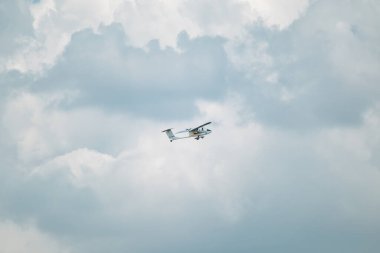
(40, 128)
(243, 172)
(82, 166)
(324, 66)
(27, 238)
(54, 24)
(56, 21)
(277, 13)
(284, 160)
(153, 168)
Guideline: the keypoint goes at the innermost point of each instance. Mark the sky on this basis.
(292, 90)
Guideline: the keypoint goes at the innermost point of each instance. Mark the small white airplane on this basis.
(196, 132)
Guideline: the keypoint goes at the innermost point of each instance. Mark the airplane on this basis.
(196, 132)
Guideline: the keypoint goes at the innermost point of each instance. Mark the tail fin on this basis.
(170, 134)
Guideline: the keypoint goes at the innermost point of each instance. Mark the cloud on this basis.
(118, 77)
(317, 72)
(161, 187)
(54, 22)
(292, 162)
(15, 28)
(251, 182)
(280, 14)
(39, 126)
(20, 239)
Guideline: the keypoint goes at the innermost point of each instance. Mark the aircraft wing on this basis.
(196, 128)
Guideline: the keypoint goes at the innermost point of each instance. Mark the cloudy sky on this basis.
(292, 88)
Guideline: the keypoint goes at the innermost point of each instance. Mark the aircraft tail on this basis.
(170, 134)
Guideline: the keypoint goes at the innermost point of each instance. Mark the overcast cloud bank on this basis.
(292, 90)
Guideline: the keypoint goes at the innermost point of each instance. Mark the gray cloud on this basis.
(153, 82)
(292, 164)
(322, 63)
(15, 26)
(299, 201)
